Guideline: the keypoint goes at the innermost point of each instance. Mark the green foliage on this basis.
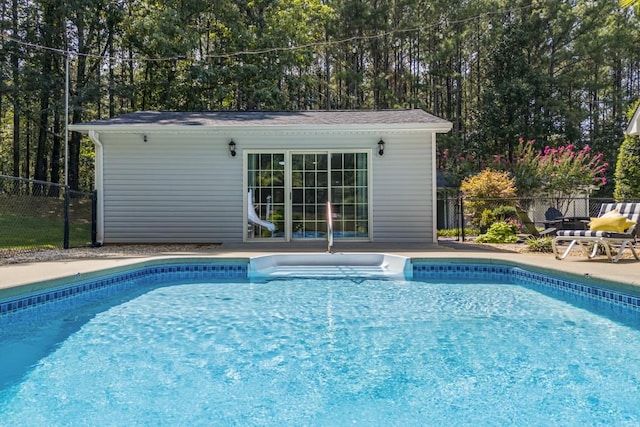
(526, 169)
(454, 162)
(455, 232)
(499, 232)
(501, 213)
(539, 244)
(488, 218)
(567, 169)
(627, 173)
(559, 172)
(488, 184)
(505, 212)
(556, 73)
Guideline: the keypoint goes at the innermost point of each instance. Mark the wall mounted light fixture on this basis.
(232, 148)
(144, 138)
(381, 147)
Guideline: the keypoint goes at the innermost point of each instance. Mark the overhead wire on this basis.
(263, 51)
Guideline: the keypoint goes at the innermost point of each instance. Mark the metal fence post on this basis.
(461, 217)
(67, 203)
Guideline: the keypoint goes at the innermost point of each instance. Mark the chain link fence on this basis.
(38, 215)
(461, 214)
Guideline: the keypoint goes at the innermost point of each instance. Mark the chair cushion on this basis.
(588, 234)
(610, 222)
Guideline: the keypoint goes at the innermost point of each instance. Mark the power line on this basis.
(255, 52)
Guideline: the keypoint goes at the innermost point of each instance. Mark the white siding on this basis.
(179, 188)
(173, 188)
(403, 190)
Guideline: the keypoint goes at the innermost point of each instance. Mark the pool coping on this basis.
(202, 268)
(27, 288)
(625, 271)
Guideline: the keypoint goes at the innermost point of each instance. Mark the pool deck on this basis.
(626, 271)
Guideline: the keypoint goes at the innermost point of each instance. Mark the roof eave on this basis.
(440, 127)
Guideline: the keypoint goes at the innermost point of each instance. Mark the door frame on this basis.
(288, 210)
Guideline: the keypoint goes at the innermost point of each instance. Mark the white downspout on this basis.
(99, 185)
(434, 187)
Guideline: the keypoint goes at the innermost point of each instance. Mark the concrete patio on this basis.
(625, 273)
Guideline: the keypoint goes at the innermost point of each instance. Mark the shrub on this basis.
(539, 244)
(455, 232)
(627, 172)
(488, 218)
(501, 213)
(526, 170)
(488, 184)
(505, 212)
(499, 232)
(568, 169)
(558, 171)
(455, 164)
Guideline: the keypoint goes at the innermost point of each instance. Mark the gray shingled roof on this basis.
(270, 118)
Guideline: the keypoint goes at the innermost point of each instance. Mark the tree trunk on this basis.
(43, 122)
(15, 66)
(41, 151)
(73, 155)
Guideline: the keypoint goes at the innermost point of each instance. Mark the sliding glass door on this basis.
(309, 195)
(288, 194)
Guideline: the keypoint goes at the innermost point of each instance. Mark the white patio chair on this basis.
(610, 241)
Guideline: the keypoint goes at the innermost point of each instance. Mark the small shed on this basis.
(218, 177)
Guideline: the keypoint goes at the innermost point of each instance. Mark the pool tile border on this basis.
(238, 270)
(117, 281)
(590, 291)
(521, 276)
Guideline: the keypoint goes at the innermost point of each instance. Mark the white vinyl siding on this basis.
(185, 188)
(403, 210)
(171, 189)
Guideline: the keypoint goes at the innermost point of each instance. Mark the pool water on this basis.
(324, 353)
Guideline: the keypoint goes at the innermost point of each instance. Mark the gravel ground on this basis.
(108, 251)
(103, 252)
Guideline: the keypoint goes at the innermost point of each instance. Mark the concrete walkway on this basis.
(626, 272)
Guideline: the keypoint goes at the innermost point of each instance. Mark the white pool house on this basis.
(231, 177)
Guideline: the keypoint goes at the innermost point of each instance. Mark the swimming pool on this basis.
(199, 344)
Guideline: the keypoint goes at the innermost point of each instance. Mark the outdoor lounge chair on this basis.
(555, 220)
(608, 240)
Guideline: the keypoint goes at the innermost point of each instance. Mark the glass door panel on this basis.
(350, 194)
(266, 195)
(309, 191)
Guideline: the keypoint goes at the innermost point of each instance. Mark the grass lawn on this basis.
(25, 232)
(28, 222)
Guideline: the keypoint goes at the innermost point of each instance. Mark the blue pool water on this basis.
(323, 353)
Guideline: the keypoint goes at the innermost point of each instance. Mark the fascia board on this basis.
(442, 127)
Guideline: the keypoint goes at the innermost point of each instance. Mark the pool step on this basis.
(330, 265)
